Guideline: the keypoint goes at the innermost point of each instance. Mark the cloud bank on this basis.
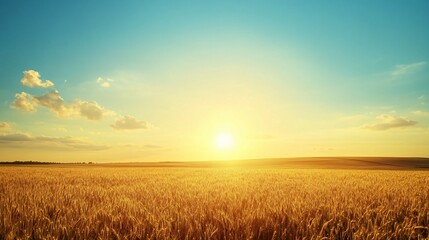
(129, 123)
(71, 143)
(388, 122)
(32, 79)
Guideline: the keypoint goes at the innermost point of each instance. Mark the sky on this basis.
(134, 81)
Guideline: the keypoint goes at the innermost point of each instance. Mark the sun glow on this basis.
(224, 141)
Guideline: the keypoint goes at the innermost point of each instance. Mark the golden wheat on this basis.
(212, 203)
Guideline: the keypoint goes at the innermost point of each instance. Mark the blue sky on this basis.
(290, 70)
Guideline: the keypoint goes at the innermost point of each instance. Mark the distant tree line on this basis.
(29, 162)
(40, 163)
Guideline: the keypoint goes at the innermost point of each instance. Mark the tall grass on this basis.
(219, 203)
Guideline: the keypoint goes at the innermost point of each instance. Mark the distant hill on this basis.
(309, 162)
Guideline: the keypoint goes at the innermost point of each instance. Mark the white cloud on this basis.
(31, 79)
(25, 102)
(55, 103)
(404, 69)
(387, 122)
(129, 123)
(90, 110)
(104, 82)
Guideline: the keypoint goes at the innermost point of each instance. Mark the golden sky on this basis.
(213, 80)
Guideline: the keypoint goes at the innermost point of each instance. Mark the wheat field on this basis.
(94, 202)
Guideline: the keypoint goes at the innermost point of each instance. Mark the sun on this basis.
(224, 141)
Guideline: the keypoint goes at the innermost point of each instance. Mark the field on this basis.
(138, 201)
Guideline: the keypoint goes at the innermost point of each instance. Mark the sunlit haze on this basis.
(224, 141)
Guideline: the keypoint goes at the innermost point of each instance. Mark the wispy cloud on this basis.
(403, 69)
(421, 113)
(5, 126)
(104, 82)
(129, 123)
(71, 143)
(422, 99)
(15, 137)
(60, 129)
(32, 79)
(387, 122)
(141, 146)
